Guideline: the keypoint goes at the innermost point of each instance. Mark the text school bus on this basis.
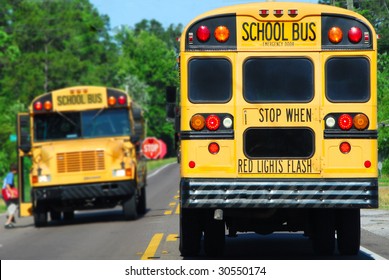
(79, 149)
(278, 128)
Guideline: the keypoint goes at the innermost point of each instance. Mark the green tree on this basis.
(149, 62)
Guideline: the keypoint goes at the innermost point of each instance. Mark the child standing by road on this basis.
(12, 202)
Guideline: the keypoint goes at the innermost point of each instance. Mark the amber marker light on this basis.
(48, 105)
(222, 34)
(197, 122)
(335, 35)
(360, 121)
(111, 101)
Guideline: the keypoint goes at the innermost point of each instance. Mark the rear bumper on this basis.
(279, 193)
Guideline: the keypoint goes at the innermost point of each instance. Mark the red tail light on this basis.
(213, 148)
(38, 106)
(203, 33)
(345, 147)
(345, 122)
(212, 122)
(355, 35)
(122, 100)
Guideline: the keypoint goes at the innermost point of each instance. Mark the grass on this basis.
(154, 164)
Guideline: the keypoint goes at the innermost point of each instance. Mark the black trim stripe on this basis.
(204, 135)
(352, 134)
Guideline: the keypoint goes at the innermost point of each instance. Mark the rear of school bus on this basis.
(82, 152)
(278, 125)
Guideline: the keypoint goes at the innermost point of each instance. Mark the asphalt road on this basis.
(105, 235)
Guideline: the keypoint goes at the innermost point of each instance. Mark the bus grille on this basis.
(80, 161)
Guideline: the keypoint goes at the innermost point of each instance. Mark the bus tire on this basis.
(40, 217)
(68, 215)
(214, 238)
(323, 239)
(348, 231)
(190, 233)
(141, 208)
(130, 208)
(55, 215)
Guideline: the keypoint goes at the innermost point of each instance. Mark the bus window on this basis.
(279, 143)
(210, 80)
(348, 79)
(109, 122)
(56, 126)
(278, 80)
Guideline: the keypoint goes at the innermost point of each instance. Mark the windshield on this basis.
(88, 124)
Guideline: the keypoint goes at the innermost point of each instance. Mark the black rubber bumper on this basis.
(279, 193)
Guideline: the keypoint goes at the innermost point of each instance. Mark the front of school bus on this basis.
(83, 153)
(278, 124)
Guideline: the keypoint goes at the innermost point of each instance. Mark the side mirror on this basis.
(171, 95)
(171, 99)
(24, 137)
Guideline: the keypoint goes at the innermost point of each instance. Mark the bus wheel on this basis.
(68, 215)
(141, 208)
(214, 238)
(129, 208)
(40, 217)
(190, 233)
(55, 215)
(348, 231)
(323, 232)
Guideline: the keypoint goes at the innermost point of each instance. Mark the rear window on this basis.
(279, 142)
(210, 80)
(348, 79)
(278, 80)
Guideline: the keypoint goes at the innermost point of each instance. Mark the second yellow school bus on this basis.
(79, 148)
(278, 128)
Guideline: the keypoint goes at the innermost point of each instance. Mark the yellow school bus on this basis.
(278, 124)
(79, 148)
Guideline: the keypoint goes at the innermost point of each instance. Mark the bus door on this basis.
(24, 164)
(281, 133)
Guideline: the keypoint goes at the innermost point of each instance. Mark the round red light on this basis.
(38, 106)
(213, 148)
(345, 147)
(192, 164)
(122, 100)
(345, 122)
(212, 122)
(367, 164)
(355, 35)
(203, 33)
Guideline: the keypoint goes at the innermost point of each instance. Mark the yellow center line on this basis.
(177, 209)
(153, 246)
